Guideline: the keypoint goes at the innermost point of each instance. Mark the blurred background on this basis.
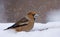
(14, 10)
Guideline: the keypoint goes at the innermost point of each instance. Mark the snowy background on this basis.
(53, 15)
(49, 29)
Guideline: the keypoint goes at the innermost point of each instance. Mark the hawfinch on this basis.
(24, 24)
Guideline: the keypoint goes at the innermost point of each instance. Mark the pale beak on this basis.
(36, 15)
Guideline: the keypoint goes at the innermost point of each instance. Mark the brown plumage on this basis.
(24, 24)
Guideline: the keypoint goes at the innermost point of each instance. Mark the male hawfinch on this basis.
(24, 24)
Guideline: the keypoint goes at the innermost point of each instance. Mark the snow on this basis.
(50, 29)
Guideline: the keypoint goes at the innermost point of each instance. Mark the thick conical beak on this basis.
(36, 15)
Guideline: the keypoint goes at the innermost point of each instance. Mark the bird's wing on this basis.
(20, 23)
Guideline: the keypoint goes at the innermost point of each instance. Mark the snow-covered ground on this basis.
(39, 30)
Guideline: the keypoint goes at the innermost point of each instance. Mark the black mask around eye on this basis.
(33, 14)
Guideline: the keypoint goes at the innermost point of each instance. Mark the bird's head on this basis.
(33, 13)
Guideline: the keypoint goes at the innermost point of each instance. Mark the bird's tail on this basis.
(7, 28)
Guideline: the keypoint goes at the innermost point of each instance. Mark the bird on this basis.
(24, 24)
